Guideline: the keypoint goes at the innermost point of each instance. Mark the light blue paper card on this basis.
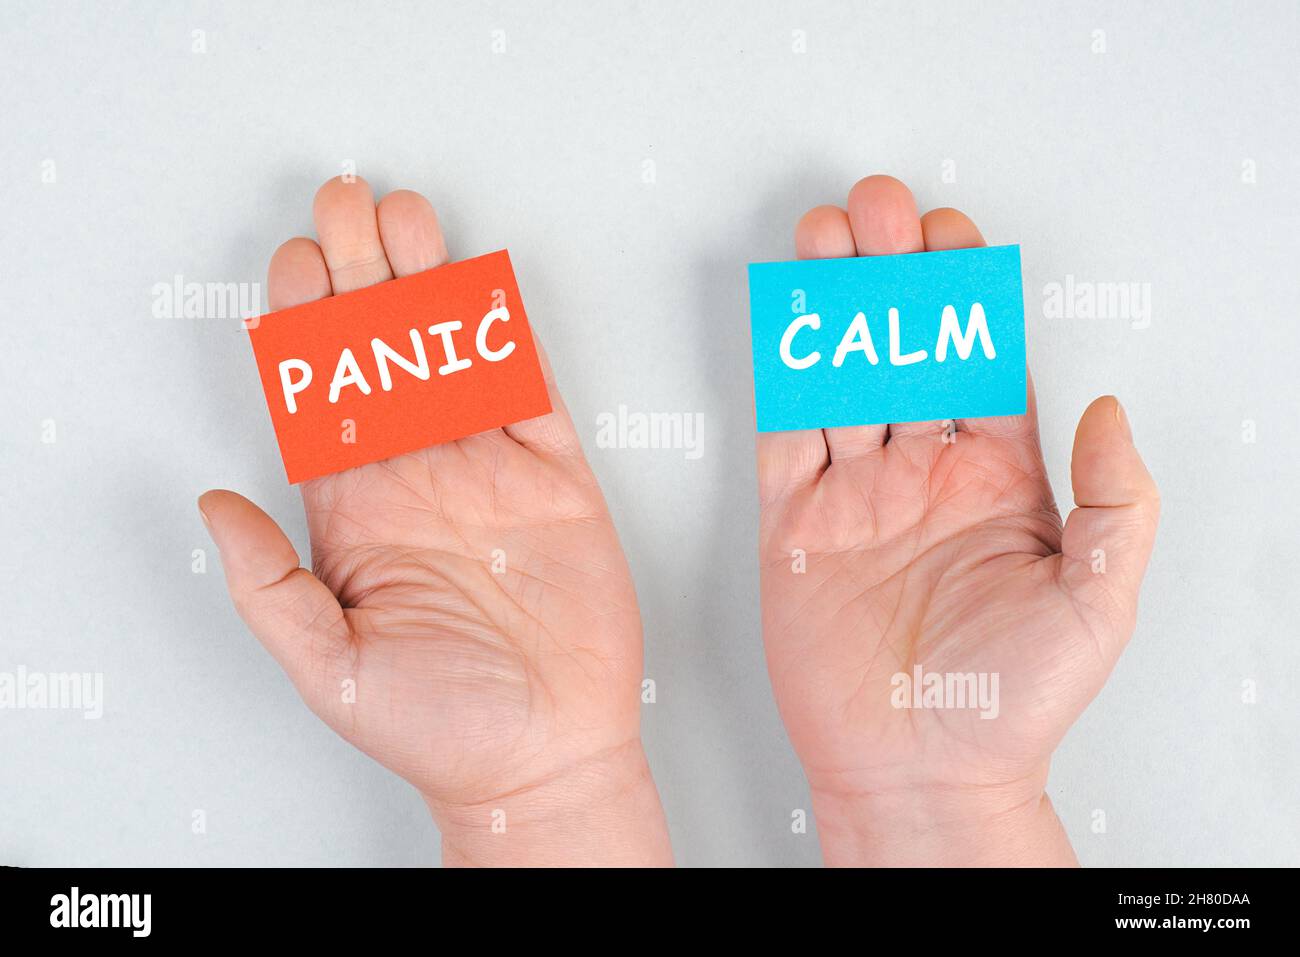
(964, 306)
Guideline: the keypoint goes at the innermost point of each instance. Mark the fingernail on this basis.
(1122, 418)
(207, 522)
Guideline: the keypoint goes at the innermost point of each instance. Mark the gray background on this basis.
(1125, 165)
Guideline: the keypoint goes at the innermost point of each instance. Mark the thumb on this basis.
(288, 608)
(1108, 537)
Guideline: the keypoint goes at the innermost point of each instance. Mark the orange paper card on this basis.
(400, 366)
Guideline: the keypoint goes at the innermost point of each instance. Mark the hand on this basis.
(945, 550)
(508, 696)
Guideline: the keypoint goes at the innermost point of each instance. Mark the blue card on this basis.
(881, 339)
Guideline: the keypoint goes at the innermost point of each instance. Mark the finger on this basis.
(825, 233)
(409, 231)
(349, 234)
(882, 212)
(789, 460)
(1108, 537)
(552, 434)
(413, 242)
(297, 275)
(949, 228)
(1019, 427)
(885, 223)
(291, 612)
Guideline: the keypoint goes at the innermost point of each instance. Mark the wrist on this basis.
(602, 812)
(1013, 826)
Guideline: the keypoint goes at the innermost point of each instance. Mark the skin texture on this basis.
(945, 550)
(506, 699)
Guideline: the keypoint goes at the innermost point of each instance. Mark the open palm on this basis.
(493, 633)
(471, 622)
(939, 546)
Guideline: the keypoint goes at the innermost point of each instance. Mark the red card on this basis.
(400, 366)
